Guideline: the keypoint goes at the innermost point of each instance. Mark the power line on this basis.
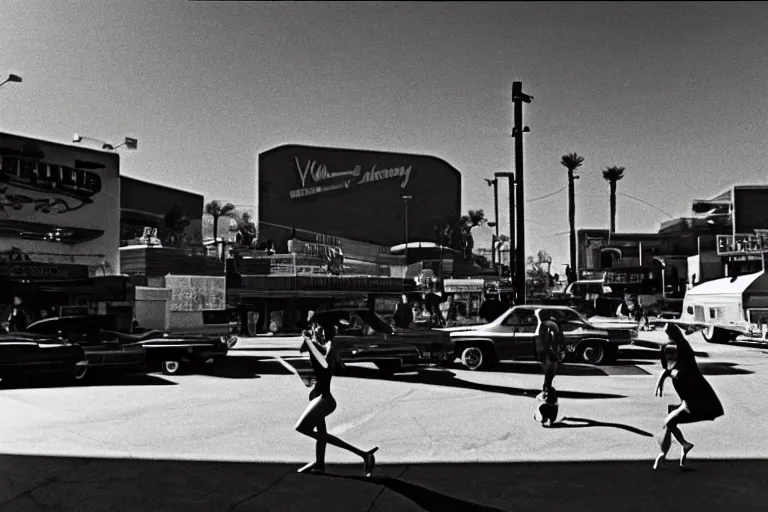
(546, 196)
(600, 196)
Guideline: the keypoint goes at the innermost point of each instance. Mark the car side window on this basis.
(522, 318)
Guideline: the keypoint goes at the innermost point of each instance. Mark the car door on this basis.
(525, 334)
(505, 335)
(571, 324)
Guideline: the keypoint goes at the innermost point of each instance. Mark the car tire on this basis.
(80, 371)
(473, 357)
(593, 352)
(171, 367)
(717, 335)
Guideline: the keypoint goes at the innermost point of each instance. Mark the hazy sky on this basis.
(675, 92)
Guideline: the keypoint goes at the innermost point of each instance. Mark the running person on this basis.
(323, 357)
(699, 400)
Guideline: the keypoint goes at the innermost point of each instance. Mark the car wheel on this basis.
(472, 357)
(715, 335)
(592, 352)
(80, 371)
(171, 367)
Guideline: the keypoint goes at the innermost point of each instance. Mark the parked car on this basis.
(512, 336)
(102, 350)
(107, 348)
(24, 354)
(365, 337)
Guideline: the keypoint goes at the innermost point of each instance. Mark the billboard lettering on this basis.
(318, 175)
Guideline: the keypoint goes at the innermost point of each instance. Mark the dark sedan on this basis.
(107, 348)
(364, 337)
(25, 354)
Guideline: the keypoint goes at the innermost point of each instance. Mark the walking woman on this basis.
(699, 401)
(323, 358)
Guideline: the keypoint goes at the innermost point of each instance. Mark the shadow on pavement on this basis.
(69, 484)
(568, 422)
(448, 378)
(92, 380)
(245, 367)
(534, 368)
(427, 499)
(708, 368)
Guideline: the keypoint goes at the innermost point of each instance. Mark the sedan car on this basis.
(512, 336)
(364, 337)
(107, 348)
(25, 354)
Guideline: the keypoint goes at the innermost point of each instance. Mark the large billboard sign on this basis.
(59, 204)
(357, 194)
(744, 244)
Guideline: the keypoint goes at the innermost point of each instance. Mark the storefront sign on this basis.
(41, 271)
(742, 244)
(197, 293)
(624, 278)
(316, 178)
(463, 285)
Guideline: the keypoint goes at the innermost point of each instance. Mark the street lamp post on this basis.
(518, 98)
(512, 233)
(129, 142)
(495, 184)
(405, 204)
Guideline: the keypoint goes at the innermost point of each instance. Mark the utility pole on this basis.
(495, 184)
(518, 98)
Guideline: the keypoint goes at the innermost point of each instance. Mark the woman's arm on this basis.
(660, 382)
(318, 355)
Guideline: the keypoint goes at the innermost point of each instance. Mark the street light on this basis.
(405, 203)
(11, 78)
(129, 142)
(512, 237)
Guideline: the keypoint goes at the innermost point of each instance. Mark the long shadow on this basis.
(569, 422)
(448, 379)
(708, 368)
(244, 367)
(92, 380)
(429, 500)
(534, 368)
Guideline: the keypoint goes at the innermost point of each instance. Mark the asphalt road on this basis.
(438, 431)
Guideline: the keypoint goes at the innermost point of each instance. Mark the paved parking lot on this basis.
(244, 411)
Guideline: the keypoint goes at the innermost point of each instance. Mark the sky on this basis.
(674, 92)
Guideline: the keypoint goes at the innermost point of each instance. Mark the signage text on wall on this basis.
(315, 178)
(742, 244)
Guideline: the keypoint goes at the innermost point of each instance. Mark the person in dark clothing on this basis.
(323, 357)
(550, 346)
(699, 400)
(403, 316)
(14, 318)
(491, 309)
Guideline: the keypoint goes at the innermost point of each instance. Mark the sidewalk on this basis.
(68, 485)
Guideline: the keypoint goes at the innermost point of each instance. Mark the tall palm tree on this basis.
(217, 210)
(572, 161)
(612, 175)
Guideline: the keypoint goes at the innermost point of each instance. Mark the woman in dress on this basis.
(323, 358)
(699, 401)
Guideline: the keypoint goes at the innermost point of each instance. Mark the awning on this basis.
(730, 286)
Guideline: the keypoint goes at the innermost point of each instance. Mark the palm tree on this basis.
(217, 210)
(572, 161)
(613, 175)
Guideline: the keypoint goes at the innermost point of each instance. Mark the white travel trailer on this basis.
(730, 307)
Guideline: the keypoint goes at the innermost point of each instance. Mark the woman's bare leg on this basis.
(314, 415)
(670, 429)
